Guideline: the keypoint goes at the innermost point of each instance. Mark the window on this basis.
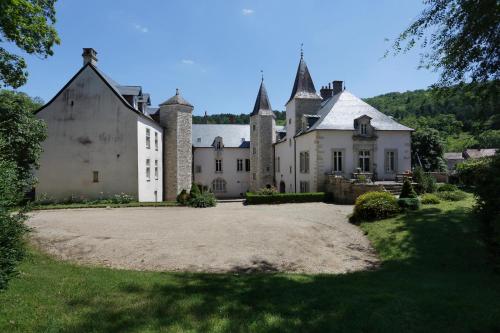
(148, 138)
(364, 160)
(304, 162)
(268, 168)
(289, 120)
(364, 130)
(337, 161)
(198, 140)
(218, 165)
(218, 145)
(247, 165)
(253, 127)
(95, 176)
(156, 141)
(219, 185)
(290, 169)
(239, 165)
(390, 161)
(197, 169)
(148, 170)
(304, 187)
(156, 169)
(278, 166)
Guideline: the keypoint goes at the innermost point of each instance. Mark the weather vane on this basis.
(301, 50)
(262, 74)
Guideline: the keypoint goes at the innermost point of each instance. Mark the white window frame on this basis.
(95, 176)
(156, 169)
(218, 185)
(304, 186)
(148, 138)
(239, 165)
(278, 164)
(304, 162)
(338, 158)
(156, 141)
(148, 169)
(364, 129)
(364, 155)
(247, 165)
(391, 166)
(218, 165)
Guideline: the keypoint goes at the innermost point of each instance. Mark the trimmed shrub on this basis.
(447, 187)
(452, 195)
(407, 191)
(183, 198)
(195, 191)
(203, 200)
(374, 206)
(409, 203)
(280, 198)
(425, 182)
(430, 199)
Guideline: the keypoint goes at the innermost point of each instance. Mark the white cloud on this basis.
(247, 11)
(188, 61)
(141, 28)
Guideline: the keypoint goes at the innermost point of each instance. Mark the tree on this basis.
(29, 24)
(459, 37)
(21, 134)
(427, 149)
(489, 139)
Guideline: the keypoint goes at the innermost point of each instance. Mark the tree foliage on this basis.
(29, 24)
(427, 149)
(458, 37)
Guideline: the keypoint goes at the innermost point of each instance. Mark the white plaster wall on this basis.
(89, 129)
(147, 188)
(285, 152)
(400, 140)
(307, 142)
(236, 181)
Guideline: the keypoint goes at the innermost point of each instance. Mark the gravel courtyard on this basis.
(305, 238)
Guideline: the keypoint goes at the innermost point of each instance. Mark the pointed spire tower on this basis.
(303, 99)
(262, 137)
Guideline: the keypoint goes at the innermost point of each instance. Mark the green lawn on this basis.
(433, 278)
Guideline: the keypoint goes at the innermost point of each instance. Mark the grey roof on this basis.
(340, 111)
(478, 153)
(151, 110)
(262, 105)
(176, 99)
(130, 90)
(303, 86)
(237, 136)
(453, 156)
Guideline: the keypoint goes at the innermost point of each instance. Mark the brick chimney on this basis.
(89, 55)
(326, 91)
(337, 87)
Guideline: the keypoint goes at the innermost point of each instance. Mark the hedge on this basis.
(280, 198)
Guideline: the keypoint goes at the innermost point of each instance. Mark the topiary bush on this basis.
(447, 187)
(280, 198)
(430, 199)
(374, 206)
(452, 195)
(407, 191)
(203, 200)
(183, 198)
(195, 191)
(409, 203)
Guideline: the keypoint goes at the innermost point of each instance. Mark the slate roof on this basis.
(176, 99)
(453, 156)
(262, 105)
(130, 90)
(303, 86)
(478, 153)
(231, 135)
(340, 111)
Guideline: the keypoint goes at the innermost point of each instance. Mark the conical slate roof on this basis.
(176, 99)
(303, 86)
(262, 104)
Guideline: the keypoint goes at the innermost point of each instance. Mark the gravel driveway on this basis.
(306, 238)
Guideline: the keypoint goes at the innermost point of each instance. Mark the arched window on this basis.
(219, 185)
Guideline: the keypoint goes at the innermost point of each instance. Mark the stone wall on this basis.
(261, 141)
(346, 192)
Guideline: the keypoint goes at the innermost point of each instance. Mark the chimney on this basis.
(89, 55)
(326, 92)
(337, 87)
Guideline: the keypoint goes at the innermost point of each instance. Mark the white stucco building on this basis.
(105, 139)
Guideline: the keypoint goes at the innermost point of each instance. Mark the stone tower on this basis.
(176, 119)
(262, 137)
(303, 99)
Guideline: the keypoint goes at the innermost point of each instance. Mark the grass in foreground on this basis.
(433, 278)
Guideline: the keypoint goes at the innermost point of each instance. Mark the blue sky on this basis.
(213, 51)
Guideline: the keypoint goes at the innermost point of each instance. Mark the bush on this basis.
(183, 198)
(280, 198)
(452, 195)
(409, 203)
(374, 206)
(407, 191)
(203, 200)
(425, 182)
(267, 191)
(122, 198)
(195, 191)
(430, 199)
(12, 249)
(471, 171)
(447, 188)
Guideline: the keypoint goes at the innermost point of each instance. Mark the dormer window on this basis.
(364, 129)
(362, 126)
(218, 144)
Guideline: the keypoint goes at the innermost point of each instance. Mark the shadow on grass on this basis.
(433, 278)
